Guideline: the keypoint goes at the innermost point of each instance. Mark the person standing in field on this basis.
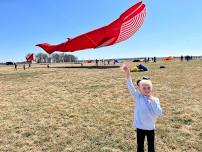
(154, 59)
(147, 110)
(15, 67)
(96, 62)
(181, 58)
(24, 66)
(145, 60)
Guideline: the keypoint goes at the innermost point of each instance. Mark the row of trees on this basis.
(55, 58)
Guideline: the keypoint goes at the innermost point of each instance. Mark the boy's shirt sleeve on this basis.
(155, 107)
(132, 88)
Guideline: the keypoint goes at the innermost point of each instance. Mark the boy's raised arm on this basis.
(130, 85)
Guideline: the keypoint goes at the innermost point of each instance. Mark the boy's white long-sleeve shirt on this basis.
(145, 112)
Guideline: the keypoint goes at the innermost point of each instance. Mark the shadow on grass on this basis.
(86, 67)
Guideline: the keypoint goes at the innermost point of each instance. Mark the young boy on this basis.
(147, 110)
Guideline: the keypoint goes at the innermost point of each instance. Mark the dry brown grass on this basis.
(90, 110)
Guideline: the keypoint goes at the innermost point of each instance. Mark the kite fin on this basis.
(68, 39)
(47, 47)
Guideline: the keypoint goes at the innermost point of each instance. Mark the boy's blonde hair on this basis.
(146, 82)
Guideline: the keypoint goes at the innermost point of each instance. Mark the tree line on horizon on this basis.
(54, 58)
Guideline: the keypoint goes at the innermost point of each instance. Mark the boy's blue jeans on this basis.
(141, 134)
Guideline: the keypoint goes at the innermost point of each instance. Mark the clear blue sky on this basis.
(172, 27)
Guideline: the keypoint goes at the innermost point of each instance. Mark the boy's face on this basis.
(145, 89)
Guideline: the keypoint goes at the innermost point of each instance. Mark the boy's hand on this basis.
(150, 98)
(126, 69)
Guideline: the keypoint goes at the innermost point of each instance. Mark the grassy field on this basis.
(91, 110)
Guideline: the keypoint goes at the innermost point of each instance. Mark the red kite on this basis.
(119, 30)
(30, 57)
(170, 58)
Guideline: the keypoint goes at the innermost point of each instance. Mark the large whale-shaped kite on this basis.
(119, 30)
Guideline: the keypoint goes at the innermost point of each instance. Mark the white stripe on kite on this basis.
(131, 26)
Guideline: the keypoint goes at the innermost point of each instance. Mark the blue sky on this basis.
(172, 27)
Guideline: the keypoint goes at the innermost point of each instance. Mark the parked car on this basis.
(9, 63)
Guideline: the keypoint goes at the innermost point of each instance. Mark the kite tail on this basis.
(47, 47)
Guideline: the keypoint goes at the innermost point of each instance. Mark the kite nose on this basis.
(135, 9)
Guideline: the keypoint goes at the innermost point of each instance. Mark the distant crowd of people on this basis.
(150, 59)
(24, 66)
(104, 62)
(187, 58)
(110, 61)
(182, 58)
